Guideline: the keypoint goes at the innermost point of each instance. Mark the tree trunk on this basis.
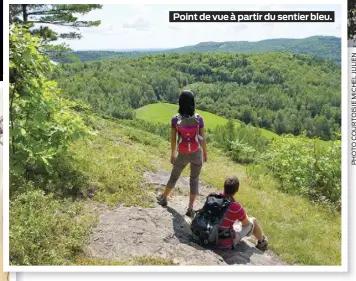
(24, 13)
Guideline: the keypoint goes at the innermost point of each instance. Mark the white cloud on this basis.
(267, 8)
(138, 23)
(142, 19)
(102, 30)
(174, 27)
(239, 27)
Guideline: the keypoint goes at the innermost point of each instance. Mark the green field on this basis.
(163, 112)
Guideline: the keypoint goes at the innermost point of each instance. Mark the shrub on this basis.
(44, 231)
(305, 170)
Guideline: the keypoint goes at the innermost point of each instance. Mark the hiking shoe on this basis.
(262, 245)
(190, 213)
(161, 200)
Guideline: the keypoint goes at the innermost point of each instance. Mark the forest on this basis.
(326, 47)
(281, 92)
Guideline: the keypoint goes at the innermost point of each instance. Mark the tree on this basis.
(52, 14)
(42, 123)
(279, 123)
(248, 115)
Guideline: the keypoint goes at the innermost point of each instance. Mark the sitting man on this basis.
(235, 213)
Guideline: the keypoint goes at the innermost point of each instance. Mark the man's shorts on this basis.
(242, 231)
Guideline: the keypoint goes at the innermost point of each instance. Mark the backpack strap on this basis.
(178, 137)
(197, 116)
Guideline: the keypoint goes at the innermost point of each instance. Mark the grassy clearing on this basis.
(300, 232)
(163, 112)
(114, 161)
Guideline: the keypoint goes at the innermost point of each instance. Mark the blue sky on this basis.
(147, 26)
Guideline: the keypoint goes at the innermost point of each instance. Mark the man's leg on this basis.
(257, 230)
(258, 233)
(242, 231)
(253, 228)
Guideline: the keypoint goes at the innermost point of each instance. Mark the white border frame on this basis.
(289, 268)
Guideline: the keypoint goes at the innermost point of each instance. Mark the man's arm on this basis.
(246, 221)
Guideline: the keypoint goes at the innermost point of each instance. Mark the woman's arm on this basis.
(205, 154)
(173, 144)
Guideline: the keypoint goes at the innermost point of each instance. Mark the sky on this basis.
(125, 26)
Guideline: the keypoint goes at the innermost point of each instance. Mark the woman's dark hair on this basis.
(186, 103)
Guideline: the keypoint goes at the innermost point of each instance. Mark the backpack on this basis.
(188, 133)
(206, 223)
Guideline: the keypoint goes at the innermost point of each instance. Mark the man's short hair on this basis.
(231, 185)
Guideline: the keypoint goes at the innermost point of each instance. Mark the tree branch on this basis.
(49, 12)
(64, 23)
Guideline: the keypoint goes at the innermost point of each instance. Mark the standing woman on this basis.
(188, 127)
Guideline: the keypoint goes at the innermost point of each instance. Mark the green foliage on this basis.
(162, 130)
(85, 56)
(44, 231)
(305, 170)
(42, 123)
(281, 92)
(242, 152)
(244, 143)
(114, 160)
(121, 111)
(63, 180)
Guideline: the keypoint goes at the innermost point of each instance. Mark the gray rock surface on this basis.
(158, 232)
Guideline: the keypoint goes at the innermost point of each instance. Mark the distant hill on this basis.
(326, 47)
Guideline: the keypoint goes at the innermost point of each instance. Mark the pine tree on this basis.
(52, 14)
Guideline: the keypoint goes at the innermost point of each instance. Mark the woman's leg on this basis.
(195, 169)
(178, 166)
